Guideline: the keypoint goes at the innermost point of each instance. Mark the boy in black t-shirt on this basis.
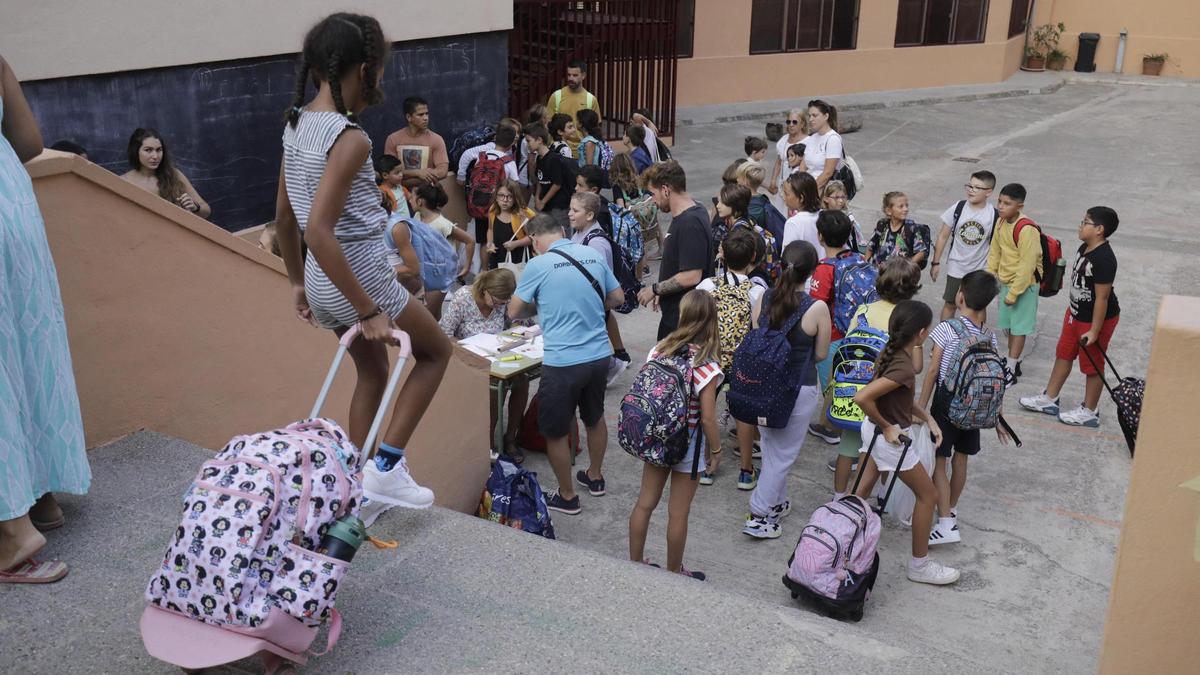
(1090, 320)
(690, 251)
(555, 174)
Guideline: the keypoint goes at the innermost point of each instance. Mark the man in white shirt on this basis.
(968, 227)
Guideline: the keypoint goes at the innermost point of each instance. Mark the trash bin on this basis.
(1085, 61)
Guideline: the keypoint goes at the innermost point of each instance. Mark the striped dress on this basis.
(359, 230)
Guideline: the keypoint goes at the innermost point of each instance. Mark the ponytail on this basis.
(799, 261)
(909, 318)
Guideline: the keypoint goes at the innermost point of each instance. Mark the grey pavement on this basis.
(1040, 523)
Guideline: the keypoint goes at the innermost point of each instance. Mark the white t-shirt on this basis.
(652, 145)
(442, 225)
(818, 148)
(781, 147)
(476, 153)
(756, 291)
(970, 238)
(802, 227)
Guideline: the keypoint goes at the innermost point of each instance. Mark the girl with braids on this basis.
(150, 168)
(697, 336)
(327, 194)
(809, 340)
(890, 405)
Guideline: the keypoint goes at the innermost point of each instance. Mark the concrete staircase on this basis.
(459, 594)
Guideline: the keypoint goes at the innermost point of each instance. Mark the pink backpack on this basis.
(242, 574)
(835, 559)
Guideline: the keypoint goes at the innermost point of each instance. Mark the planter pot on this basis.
(1034, 63)
(1151, 67)
(1056, 64)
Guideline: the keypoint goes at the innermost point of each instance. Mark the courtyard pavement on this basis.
(1040, 523)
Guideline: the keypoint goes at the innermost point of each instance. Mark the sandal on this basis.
(33, 572)
(47, 525)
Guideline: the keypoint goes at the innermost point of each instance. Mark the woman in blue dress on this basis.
(41, 432)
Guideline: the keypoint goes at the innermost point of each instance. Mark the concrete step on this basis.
(459, 594)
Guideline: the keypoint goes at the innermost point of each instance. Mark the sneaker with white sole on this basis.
(824, 434)
(371, 509)
(832, 465)
(762, 527)
(932, 572)
(706, 478)
(1040, 403)
(1080, 417)
(615, 368)
(778, 511)
(395, 487)
(944, 535)
(748, 480)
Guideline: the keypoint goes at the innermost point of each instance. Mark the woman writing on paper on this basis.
(482, 308)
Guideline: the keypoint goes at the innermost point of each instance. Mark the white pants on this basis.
(780, 448)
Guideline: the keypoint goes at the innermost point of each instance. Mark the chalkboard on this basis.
(223, 121)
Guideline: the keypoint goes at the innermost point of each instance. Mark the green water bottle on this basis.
(343, 538)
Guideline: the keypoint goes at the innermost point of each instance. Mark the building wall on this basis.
(120, 35)
(1170, 26)
(223, 120)
(723, 71)
(181, 328)
(1152, 616)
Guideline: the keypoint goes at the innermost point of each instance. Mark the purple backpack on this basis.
(835, 560)
(652, 424)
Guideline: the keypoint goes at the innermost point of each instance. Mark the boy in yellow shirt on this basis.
(1015, 258)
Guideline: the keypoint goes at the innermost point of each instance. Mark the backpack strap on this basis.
(1020, 225)
(582, 270)
(958, 210)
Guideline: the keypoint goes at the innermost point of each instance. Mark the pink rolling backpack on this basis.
(835, 562)
(242, 573)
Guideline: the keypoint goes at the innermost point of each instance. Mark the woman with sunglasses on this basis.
(797, 131)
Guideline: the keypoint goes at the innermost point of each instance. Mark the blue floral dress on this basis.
(41, 431)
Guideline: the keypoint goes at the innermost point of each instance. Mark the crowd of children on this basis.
(806, 325)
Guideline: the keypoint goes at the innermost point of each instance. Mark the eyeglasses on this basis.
(976, 188)
(791, 122)
(1085, 222)
(502, 195)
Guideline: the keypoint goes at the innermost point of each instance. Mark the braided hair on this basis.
(334, 47)
(908, 319)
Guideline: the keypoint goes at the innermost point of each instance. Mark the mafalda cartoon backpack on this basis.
(244, 557)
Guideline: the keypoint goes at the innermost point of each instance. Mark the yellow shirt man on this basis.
(571, 99)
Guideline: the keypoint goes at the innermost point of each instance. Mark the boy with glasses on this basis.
(1089, 321)
(967, 226)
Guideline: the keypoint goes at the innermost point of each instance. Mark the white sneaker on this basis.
(615, 368)
(944, 535)
(1080, 417)
(371, 509)
(932, 572)
(762, 527)
(1040, 403)
(395, 487)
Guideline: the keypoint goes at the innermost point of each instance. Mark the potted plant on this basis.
(1152, 63)
(1056, 59)
(1045, 41)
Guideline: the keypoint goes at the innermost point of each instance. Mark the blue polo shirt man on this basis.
(569, 286)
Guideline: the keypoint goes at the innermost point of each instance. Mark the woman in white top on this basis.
(823, 150)
(797, 131)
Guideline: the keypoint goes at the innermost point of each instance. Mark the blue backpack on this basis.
(852, 369)
(764, 384)
(853, 286)
(624, 269)
(627, 232)
(513, 497)
(652, 424)
(439, 260)
(467, 140)
(770, 219)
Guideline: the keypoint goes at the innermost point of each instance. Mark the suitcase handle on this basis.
(895, 474)
(393, 381)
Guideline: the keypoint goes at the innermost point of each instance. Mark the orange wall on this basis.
(723, 71)
(1170, 26)
(1152, 610)
(178, 327)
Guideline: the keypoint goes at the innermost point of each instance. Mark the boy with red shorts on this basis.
(1090, 320)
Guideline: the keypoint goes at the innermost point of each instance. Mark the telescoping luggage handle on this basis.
(393, 379)
(895, 474)
(1128, 433)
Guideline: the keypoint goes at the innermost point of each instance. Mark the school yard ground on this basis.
(1040, 523)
